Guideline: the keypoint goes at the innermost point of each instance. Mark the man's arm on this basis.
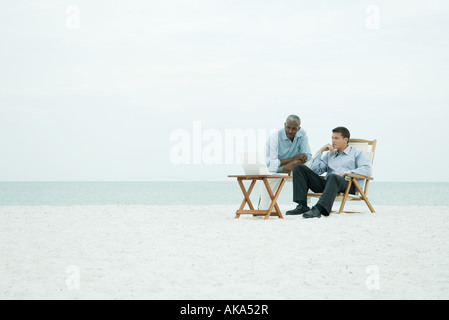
(290, 163)
(319, 163)
(304, 147)
(363, 165)
(299, 158)
(271, 153)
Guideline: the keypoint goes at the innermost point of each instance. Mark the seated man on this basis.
(340, 159)
(285, 148)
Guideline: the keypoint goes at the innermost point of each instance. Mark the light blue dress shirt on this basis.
(351, 160)
(279, 147)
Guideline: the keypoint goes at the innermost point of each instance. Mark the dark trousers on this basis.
(304, 179)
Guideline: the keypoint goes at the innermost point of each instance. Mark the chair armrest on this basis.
(358, 176)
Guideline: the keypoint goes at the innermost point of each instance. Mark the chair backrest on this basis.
(367, 146)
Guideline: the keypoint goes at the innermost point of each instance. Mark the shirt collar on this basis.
(346, 151)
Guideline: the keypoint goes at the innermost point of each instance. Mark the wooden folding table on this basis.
(246, 193)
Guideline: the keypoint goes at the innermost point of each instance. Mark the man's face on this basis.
(291, 128)
(338, 142)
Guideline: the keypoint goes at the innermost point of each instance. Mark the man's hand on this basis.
(327, 147)
(299, 158)
(289, 167)
(302, 158)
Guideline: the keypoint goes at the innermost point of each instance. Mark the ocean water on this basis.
(195, 193)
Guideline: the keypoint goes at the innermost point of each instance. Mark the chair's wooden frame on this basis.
(363, 194)
(246, 193)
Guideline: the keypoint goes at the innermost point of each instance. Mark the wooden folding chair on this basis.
(369, 147)
(246, 193)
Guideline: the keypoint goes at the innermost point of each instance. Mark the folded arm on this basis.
(290, 163)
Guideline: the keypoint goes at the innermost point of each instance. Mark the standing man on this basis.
(338, 161)
(285, 148)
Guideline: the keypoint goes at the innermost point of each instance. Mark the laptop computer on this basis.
(253, 163)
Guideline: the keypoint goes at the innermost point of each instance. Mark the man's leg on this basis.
(334, 185)
(303, 180)
(265, 199)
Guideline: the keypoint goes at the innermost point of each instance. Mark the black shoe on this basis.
(300, 209)
(314, 213)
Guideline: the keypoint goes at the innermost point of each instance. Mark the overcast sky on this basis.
(102, 90)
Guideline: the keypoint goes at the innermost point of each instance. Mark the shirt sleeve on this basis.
(319, 163)
(272, 154)
(363, 165)
(305, 147)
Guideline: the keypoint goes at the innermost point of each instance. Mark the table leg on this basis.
(274, 199)
(246, 195)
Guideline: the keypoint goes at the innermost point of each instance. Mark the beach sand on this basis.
(202, 252)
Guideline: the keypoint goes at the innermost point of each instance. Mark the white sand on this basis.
(202, 252)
